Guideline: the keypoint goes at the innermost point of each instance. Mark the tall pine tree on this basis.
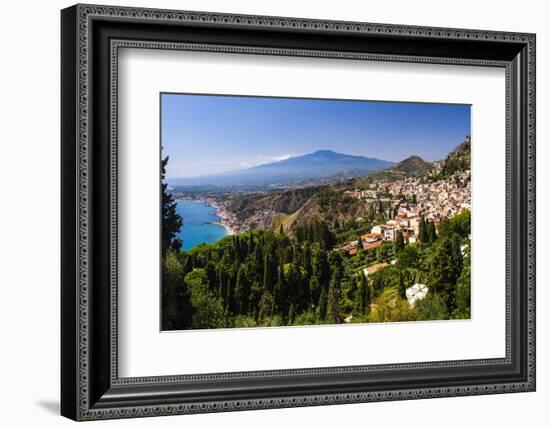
(333, 315)
(399, 243)
(270, 268)
(171, 220)
(242, 291)
(432, 235)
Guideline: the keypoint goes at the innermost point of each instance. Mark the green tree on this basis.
(326, 237)
(322, 304)
(306, 260)
(291, 314)
(389, 307)
(177, 311)
(377, 284)
(463, 292)
(208, 311)
(223, 281)
(211, 275)
(408, 257)
(243, 321)
(445, 268)
(333, 300)
(362, 299)
(368, 293)
(320, 272)
(423, 231)
(432, 234)
(306, 318)
(280, 292)
(270, 268)
(402, 288)
(459, 224)
(265, 307)
(171, 220)
(399, 243)
(242, 291)
(432, 307)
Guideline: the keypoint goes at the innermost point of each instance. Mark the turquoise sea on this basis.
(199, 223)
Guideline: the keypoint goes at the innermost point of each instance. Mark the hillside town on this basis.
(413, 199)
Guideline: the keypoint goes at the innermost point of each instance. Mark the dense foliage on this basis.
(265, 278)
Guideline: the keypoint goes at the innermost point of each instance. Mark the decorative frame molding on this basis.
(91, 388)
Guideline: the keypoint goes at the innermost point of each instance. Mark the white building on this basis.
(416, 292)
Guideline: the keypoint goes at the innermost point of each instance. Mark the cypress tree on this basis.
(432, 235)
(368, 293)
(279, 292)
(321, 268)
(402, 287)
(177, 309)
(399, 243)
(171, 220)
(314, 290)
(250, 244)
(242, 291)
(230, 307)
(270, 269)
(359, 299)
(424, 237)
(257, 265)
(325, 236)
(322, 304)
(211, 276)
(265, 307)
(222, 282)
(445, 269)
(377, 284)
(298, 234)
(291, 314)
(187, 265)
(306, 260)
(333, 300)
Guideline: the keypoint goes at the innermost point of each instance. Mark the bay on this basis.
(199, 223)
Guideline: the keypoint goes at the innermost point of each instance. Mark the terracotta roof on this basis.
(372, 235)
(372, 245)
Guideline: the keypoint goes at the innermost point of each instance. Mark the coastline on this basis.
(227, 220)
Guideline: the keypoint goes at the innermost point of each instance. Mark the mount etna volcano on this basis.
(316, 167)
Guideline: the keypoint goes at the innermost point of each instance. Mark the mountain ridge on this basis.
(324, 165)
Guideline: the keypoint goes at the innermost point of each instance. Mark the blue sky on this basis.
(206, 134)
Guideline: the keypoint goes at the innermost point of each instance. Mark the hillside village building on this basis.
(435, 201)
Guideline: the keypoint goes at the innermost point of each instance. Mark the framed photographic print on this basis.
(263, 212)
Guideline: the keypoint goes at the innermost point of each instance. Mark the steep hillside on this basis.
(458, 160)
(410, 167)
(414, 165)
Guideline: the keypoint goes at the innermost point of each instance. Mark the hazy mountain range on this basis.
(319, 166)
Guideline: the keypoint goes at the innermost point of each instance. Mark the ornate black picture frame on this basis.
(91, 36)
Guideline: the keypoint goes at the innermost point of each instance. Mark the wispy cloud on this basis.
(265, 159)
